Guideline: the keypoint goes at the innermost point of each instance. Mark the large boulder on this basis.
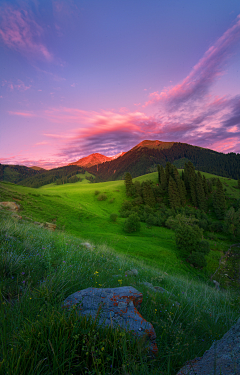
(118, 308)
(12, 205)
(222, 358)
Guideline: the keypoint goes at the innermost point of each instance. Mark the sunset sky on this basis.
(85, 76)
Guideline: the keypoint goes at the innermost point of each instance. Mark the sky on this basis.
(84, 76)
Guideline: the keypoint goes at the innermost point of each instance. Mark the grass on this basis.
(76, 209)
(39, 269)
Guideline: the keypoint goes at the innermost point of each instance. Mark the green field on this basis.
(75, 209)
(39, 268)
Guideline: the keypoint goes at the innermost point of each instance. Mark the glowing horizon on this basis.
(80, 78)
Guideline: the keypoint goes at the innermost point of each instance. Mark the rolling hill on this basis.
(144, 158)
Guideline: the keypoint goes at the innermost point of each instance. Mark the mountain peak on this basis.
(154, 144)
(95, 159)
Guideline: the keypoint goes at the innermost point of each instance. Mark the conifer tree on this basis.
(168, 170)
(205, 187)
(148, 195)
(163, 178)
(219, 202)
(159, 173)
(190, 181)
(201, 199)
(128, 183)
(173, 194)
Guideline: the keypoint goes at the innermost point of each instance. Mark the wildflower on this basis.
(23, 273)
(23, 281)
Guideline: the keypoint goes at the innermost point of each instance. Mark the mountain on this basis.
(144, 158)
(95, 159)
(16, 173)
(38, 168)
(52, 176)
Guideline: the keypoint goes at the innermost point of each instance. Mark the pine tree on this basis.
(163, 178)
(190, 181)
(219, 202)
(128, 183)
(148, 195)
(201, 199)
(168, 170)
(205, 187)
(173, 194)
(159, 173)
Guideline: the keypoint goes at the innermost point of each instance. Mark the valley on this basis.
(185, 327)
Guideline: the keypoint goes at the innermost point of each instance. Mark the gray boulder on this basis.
(222, 358)
(118, 308)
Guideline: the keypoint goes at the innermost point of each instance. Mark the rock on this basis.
(39, 224)
(132, 272)
(51, 226)
(217, 285)
(17, 216)
(118, 309)
(12, 205)
(224, 354)
(87, 245)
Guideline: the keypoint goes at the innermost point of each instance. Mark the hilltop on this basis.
(144, 158)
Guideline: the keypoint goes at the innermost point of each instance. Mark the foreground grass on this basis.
(39, 269)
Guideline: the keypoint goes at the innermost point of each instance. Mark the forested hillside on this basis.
(144, 158)
(17, 173)
(60, 176)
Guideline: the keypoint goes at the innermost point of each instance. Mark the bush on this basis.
(197, 259)
(203, 224)
(102, 197)
(113, 217)
(96, 192)
(111, 200)
(204, 247)
(151, 220)
(187, 238)
(132, 223)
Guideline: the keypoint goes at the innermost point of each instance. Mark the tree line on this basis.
(188, 203)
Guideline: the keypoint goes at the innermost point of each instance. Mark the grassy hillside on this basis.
(76, 209)
(40, 268)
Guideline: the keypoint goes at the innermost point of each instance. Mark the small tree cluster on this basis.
(102, 197)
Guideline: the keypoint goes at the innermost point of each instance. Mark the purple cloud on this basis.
(196, 85)
(19, 31)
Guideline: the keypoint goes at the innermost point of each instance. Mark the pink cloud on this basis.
(19, 31)
(19, 85)
(24, 114)
(204, 73)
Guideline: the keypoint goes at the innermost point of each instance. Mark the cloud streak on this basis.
(20, 32)
(196, 85)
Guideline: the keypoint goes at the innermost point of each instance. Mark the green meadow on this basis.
(40, 268)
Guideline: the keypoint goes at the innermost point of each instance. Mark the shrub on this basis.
(102, 197)
(132, 223)
(204, 247)
(197, 259)
(203, 224)
(187, 238)
(96, 192)
(151, 220)
(113, 217)
(111, 200)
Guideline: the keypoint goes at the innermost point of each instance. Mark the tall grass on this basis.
(39, 269)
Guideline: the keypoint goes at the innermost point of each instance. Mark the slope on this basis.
(145, 157)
